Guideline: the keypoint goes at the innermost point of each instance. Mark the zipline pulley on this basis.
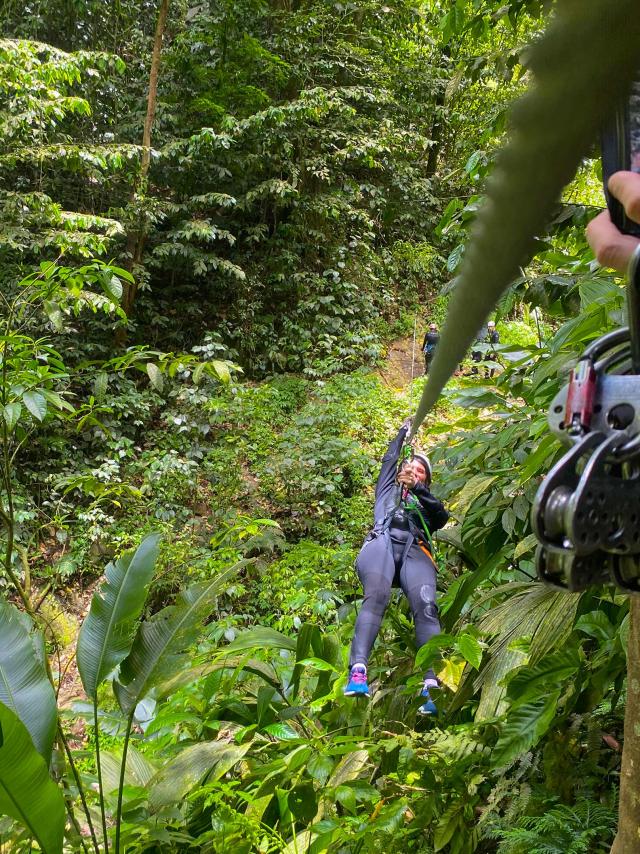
(586, 514)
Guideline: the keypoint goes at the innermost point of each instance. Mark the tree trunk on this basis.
(627, 840)
(136, 240)
(438, 118)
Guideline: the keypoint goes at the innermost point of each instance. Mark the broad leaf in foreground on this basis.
(27, 793)
(523, 728)
(262, 637)
(107, 633)
(180, 775)
(159, 646)
(584, 63)
(24, 685)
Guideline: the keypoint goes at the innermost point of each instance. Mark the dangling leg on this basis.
(418, 581)
(375, 569)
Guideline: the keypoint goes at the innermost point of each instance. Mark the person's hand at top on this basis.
(612, 248)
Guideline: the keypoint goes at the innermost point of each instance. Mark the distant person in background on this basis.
(493, 337)
(487, 335)
(431, 338)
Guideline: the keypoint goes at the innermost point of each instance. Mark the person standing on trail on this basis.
(487, 335)
(431, 338)
(396, 553)
(493, 337)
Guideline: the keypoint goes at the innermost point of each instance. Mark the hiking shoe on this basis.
(428, 707)
(357, 684)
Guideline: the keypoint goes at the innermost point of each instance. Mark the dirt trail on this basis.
(397, 371)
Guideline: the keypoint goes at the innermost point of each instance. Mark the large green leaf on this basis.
(532, 682)
(158, 650)
(584, 63)
(178, 777)
(27, 793)
(262, 637)
(107, 633)
(138, 772)
(524, 727)
(532, 611)
(24, 685)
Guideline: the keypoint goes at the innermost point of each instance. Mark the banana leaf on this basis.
(27, 793)
(158, 651)
(107, 633)
(210, 758)
(24, 685)
(138, 772)
(263, 637)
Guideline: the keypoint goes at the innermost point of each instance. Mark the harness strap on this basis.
(383, 528)
(428, 553)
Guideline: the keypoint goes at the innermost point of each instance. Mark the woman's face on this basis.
(418, 469)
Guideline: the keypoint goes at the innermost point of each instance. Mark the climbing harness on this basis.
(586, 514)
(431, 552)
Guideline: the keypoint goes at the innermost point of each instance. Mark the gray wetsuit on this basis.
(393, 554)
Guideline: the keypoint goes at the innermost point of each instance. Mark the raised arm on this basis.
(386, 482)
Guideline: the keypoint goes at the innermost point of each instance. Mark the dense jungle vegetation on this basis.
(217, 217)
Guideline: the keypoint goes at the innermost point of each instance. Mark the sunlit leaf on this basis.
(155, 375)
(451, 673)
(35, 403)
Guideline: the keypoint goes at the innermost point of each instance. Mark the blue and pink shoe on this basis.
(357, 685)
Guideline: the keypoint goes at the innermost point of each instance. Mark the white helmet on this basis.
(426, 462)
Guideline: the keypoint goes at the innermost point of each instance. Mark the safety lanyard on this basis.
(412, 504)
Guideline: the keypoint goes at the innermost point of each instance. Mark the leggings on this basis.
(378, 565)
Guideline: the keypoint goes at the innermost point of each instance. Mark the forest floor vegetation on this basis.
(277, 478)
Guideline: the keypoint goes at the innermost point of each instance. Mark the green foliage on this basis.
(313, 169)
(107, 633)
(307, 583)
(27, 792)
(587, 827)
(160, 643)
(24, 686)
(44, 159)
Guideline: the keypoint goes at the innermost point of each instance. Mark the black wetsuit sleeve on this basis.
(431, 507)
(424, 341)
(387, 478)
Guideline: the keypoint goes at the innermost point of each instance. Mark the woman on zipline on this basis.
(397, 553)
